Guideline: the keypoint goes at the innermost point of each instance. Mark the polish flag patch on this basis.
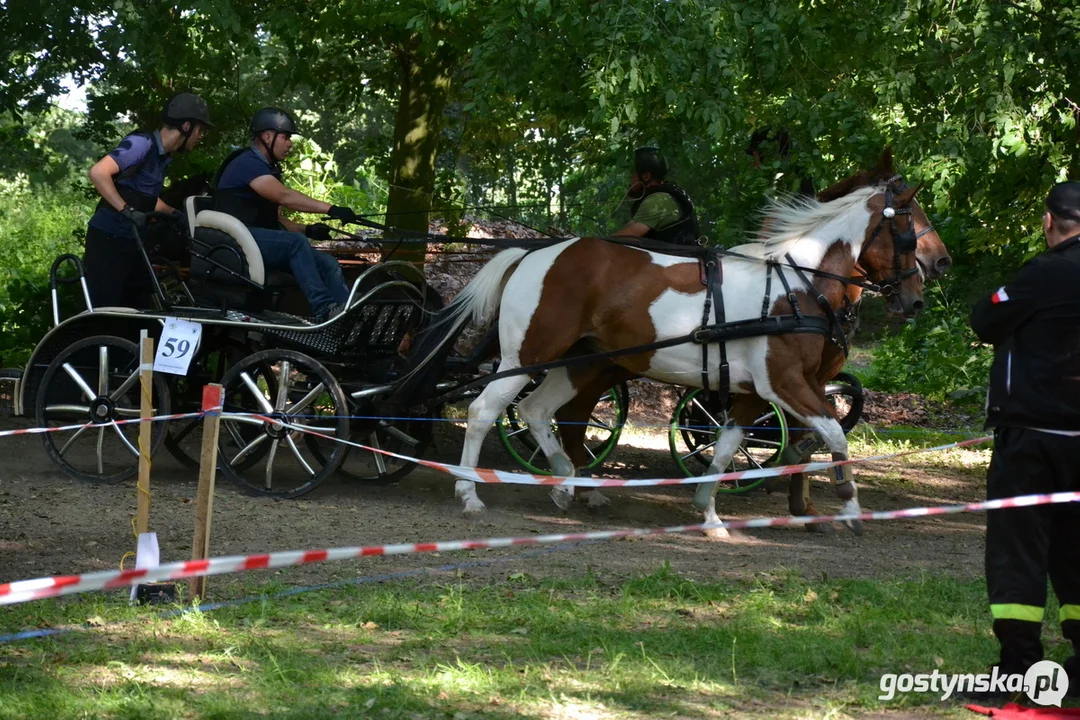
(1000, 296)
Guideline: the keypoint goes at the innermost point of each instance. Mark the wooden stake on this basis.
(204, 502)
(146, 411)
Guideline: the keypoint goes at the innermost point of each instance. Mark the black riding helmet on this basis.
(186, 107)
(276, 119)
(649, 160)
(271, 118)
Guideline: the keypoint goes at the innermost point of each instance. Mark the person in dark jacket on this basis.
(661, 210)
(1033, 404)
(129, 180)
(249, 187)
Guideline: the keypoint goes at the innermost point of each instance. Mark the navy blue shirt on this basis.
(144, 158)
(246, 167)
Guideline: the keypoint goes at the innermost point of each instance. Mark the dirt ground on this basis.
(51, 524)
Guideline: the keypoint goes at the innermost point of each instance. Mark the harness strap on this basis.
(714, 297)
(768, 289)
(834, 324)
(739, 329)
(787, 290)
(710, 277)
(716, 289)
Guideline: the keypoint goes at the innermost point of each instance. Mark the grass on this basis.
(865, 441)
(657, 645)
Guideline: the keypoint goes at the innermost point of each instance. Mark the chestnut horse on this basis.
(589, 295)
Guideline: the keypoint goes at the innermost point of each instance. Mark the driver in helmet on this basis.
(249, 187)
(661, 210)
(130, 179)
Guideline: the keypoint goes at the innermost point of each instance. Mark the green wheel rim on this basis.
(694, 430)
(513, 432)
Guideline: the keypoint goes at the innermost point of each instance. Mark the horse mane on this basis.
(789, 219)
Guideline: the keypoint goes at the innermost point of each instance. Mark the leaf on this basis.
(520, 631)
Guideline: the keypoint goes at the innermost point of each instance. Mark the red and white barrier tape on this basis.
(483, 475)
(26, 590)
(63, 428)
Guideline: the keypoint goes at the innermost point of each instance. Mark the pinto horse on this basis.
(589, 295)
(934, 261)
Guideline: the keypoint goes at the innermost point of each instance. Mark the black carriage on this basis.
(280, 371)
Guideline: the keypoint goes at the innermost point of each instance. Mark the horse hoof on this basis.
(856, 526)
(821, 529)
(852, 510)
(703, 496)
(474, 509)
(596, 500)
(716, 533)
(561, 498)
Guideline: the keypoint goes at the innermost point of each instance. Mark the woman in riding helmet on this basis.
(129, 180)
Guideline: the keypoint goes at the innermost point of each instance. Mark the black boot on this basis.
(1021, 647)
(1021, 644)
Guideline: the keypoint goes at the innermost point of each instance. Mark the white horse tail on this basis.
(478, 302)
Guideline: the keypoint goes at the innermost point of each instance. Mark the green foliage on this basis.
(544, 102)
(938, 355)
(43, 147)
(314, 172)
(36, 225)
(547, 99)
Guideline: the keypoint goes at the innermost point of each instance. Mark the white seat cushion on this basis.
(238, 231)
(191, 210)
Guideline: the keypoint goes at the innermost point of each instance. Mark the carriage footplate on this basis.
(367, 330)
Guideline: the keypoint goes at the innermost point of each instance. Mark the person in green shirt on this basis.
(662, 210)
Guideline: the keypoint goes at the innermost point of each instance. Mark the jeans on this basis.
(318, 274)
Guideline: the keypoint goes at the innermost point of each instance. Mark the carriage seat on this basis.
(226, 263)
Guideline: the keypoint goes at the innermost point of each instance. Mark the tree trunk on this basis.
(425, 82)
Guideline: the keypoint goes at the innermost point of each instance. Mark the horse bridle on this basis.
(903, 242)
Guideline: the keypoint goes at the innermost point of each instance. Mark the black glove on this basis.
(136, 217)
(179, 223)
(317, 231)
(343, 214)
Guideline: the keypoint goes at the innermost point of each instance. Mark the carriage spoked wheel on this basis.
(605, 426)
(267, 455)
(695, 428)
(401, 435)
(845, 393)
(184, 437)
(95, 382)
